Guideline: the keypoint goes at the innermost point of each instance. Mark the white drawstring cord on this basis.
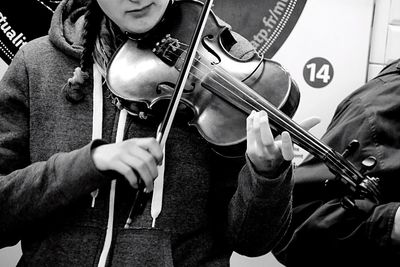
(107, 243)
(156, 201)
(97, 119)
(97, 134)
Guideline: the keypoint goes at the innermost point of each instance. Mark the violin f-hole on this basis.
(209, 49)
(169, 87)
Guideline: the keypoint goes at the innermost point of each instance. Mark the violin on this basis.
(131, 77)
(220, 89)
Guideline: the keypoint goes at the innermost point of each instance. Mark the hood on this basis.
(66, 26)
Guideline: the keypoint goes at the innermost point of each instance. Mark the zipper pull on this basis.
(94, 195)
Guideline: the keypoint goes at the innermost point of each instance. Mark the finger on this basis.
(310, 122)
(258, 120)
(249, 128)
(287, 146)
(141, 168)
(144, 174)
(266, 136)
(151, 145)
(146, 157)
(126, 171)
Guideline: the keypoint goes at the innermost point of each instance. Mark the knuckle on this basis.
(264, 119)
(141, 165)
(126, 172)
(155, 175)
(128, 144)
(260, 154)
(256, 154)
(133, 182)
(150, 141)
(148, 183)
(147, 158)
(153, 141)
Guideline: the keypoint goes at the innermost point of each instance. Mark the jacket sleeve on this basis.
(31, 190)
(328, 232)
(321, 227)
(260, 211)
(252, 210)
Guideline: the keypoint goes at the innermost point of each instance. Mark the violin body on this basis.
(144, 73)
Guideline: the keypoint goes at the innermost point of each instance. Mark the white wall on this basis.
(340, 32)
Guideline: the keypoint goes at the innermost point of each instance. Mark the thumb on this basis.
(310, 122)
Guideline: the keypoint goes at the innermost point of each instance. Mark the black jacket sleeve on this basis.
(323, 233)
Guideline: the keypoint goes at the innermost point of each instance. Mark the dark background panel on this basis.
(22, 21)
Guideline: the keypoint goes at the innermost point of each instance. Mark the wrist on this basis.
(272, 171)
(395, 235)
(277, 171)
(95, 153)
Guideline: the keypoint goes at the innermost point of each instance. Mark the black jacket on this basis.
(323, 233)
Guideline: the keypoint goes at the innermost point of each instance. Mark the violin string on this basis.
(305, 137)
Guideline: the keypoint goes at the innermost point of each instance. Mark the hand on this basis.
(135, 158)
(395, 235)
(266, 153)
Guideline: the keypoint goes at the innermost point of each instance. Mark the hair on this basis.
(93, 17)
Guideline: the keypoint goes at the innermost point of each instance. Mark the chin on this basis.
(141, 29)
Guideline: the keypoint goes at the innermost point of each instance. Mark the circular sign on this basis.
(318, 72)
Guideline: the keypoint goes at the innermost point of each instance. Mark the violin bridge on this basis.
(168, 50)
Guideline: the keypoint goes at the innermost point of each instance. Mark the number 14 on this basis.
(321, 74)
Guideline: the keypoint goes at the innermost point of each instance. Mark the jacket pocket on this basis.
(70, 246)
(142, 247)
